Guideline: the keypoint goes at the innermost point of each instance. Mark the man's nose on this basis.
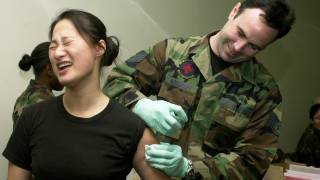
(239, 45)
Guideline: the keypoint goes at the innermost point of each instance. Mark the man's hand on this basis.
(167, 158)
(161, 116)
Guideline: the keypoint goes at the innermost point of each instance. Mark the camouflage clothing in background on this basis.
(234, 115)
(308, 149)
(33, 94)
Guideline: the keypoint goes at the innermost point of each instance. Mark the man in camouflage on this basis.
(231, 101)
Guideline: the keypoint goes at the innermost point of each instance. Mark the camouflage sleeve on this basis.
(255, 148)
(137, 77)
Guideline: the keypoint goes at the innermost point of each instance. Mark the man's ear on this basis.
(101, 47)
(234, 11)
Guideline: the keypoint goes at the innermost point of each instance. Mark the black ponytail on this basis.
(112, 51)
(38, 59)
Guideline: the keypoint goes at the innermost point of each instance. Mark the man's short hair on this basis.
(278, 14)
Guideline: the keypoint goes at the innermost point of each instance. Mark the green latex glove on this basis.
(161, 116)
(167, 158)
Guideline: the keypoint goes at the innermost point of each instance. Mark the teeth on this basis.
(63, 65)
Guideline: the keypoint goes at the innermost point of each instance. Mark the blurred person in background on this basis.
(40, 88)
(308, 148)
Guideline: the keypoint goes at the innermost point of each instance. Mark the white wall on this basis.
(140, 23)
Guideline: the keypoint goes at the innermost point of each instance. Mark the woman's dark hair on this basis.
(92, 29)
(38, 60)
(313, 110)
(278, 14)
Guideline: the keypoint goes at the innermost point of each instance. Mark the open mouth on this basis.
(63, 65)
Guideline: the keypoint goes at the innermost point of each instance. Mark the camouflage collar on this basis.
(200, 53)
(35, 85)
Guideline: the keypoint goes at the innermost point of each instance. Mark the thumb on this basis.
(178, 112)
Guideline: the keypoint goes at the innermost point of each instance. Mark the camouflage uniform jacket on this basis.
(33, 94)
(308, 149)
(234, 115)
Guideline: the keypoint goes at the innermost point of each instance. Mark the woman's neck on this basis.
(85, 101)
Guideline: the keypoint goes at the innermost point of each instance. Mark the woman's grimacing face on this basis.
(73, 59)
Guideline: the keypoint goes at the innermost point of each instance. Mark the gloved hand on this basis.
(161, 116)
(168, 158)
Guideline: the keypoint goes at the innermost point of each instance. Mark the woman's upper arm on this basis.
(139, 162)
(17, 173)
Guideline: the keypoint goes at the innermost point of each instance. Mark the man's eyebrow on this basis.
(243, 34)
